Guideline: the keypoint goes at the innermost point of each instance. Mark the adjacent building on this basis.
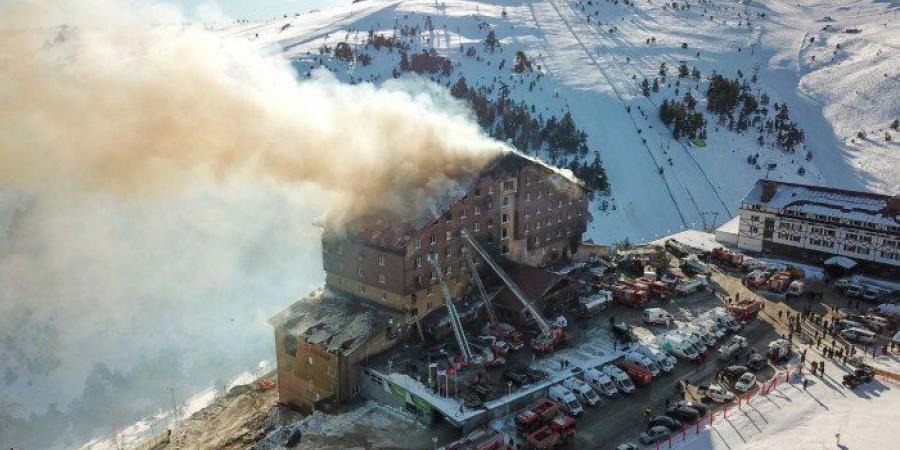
(379, 279)
(815, 223)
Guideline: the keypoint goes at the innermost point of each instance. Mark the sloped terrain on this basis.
(588, 58)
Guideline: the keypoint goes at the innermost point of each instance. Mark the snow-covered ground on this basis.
(591, 57)
(791, 417)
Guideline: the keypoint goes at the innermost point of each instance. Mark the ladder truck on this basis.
(549, 337)
(469, 358)
(498, 329)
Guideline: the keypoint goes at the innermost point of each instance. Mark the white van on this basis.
(796, 288)
(601, 382)
(566, 399)
(708, 338)
(657, 316)
(679, 346)
(711, 326)
(623, 383)
(859, 335)
(665, 362)
(582, 391)
(724, 318)
(694, 339)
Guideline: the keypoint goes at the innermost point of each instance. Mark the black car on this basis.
(700, 407)
(664, 421)
(517, 377)
(732, 373)
(470, 400)
(756, 361)
(684, 414)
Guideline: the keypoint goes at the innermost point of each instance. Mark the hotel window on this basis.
(504, 218)
(477, 226)
(490, 188)
(309, 360)
(360, 272)
(432, 240)
(477, 192)
(449, 252)
(490, 223)
(505, 200)
(463, 214)
(528, 196)
(504, 233)
(381, 278)
(340, 249)
(508, 185)
(418, 262)
(504, 249)
(381, 260)
(477, 210)
(490, 205)
(449, 235)
(449, 269)
(559, 203)
(418, 243)
(384, 295)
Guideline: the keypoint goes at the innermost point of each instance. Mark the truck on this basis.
(620, 378)
(888, 310)
(726, 257)
(679, 346)
(657, 316)
(560, 431)
(696, 284)
(694, 339)
(535, 416)
(591, 306)
(644, 361)
(692, 264)
(780, 282)
(745, 309)
(582, 391)
(505, 332)
(566, 399)
(601, 382)
(482, 439)
(636, 372)
(707, 337)
(629, 296)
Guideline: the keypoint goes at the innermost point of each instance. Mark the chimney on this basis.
(769, 188)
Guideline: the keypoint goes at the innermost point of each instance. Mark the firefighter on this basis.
(648, 411)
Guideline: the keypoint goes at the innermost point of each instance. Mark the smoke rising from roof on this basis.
(105, 96)
(156, 180)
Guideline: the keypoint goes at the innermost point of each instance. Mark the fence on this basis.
(708, 420)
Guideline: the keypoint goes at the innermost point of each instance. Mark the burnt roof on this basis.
(394, 232)
(334, 320)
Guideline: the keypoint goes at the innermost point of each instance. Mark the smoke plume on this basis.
(129, 100)
(157, 182)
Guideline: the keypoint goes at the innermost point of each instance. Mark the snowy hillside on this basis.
(589, 58)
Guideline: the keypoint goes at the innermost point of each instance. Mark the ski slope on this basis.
(591, 56)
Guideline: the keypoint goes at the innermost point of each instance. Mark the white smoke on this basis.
(158, 183)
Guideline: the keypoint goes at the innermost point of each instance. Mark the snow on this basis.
(588, 70)
(842, 261)
(791, 417)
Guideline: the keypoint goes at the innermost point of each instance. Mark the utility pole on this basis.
(174, 407)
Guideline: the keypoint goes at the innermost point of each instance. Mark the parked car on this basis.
(746, 382)
(858, 335)
(843, 283)
(665, 421)
(699, 407)
(684, 414)
(718, 394)
(756, 361)
(732, 373)
(535, 375)
(654, 434)
(854, 291)
(876, 322)
(601, 382)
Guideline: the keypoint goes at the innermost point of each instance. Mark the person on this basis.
(779, 314)
(667, 403)
(805, 383)
(647, 412)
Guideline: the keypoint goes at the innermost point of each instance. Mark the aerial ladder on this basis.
(452, 314)
(496, 328)
(550, 336)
